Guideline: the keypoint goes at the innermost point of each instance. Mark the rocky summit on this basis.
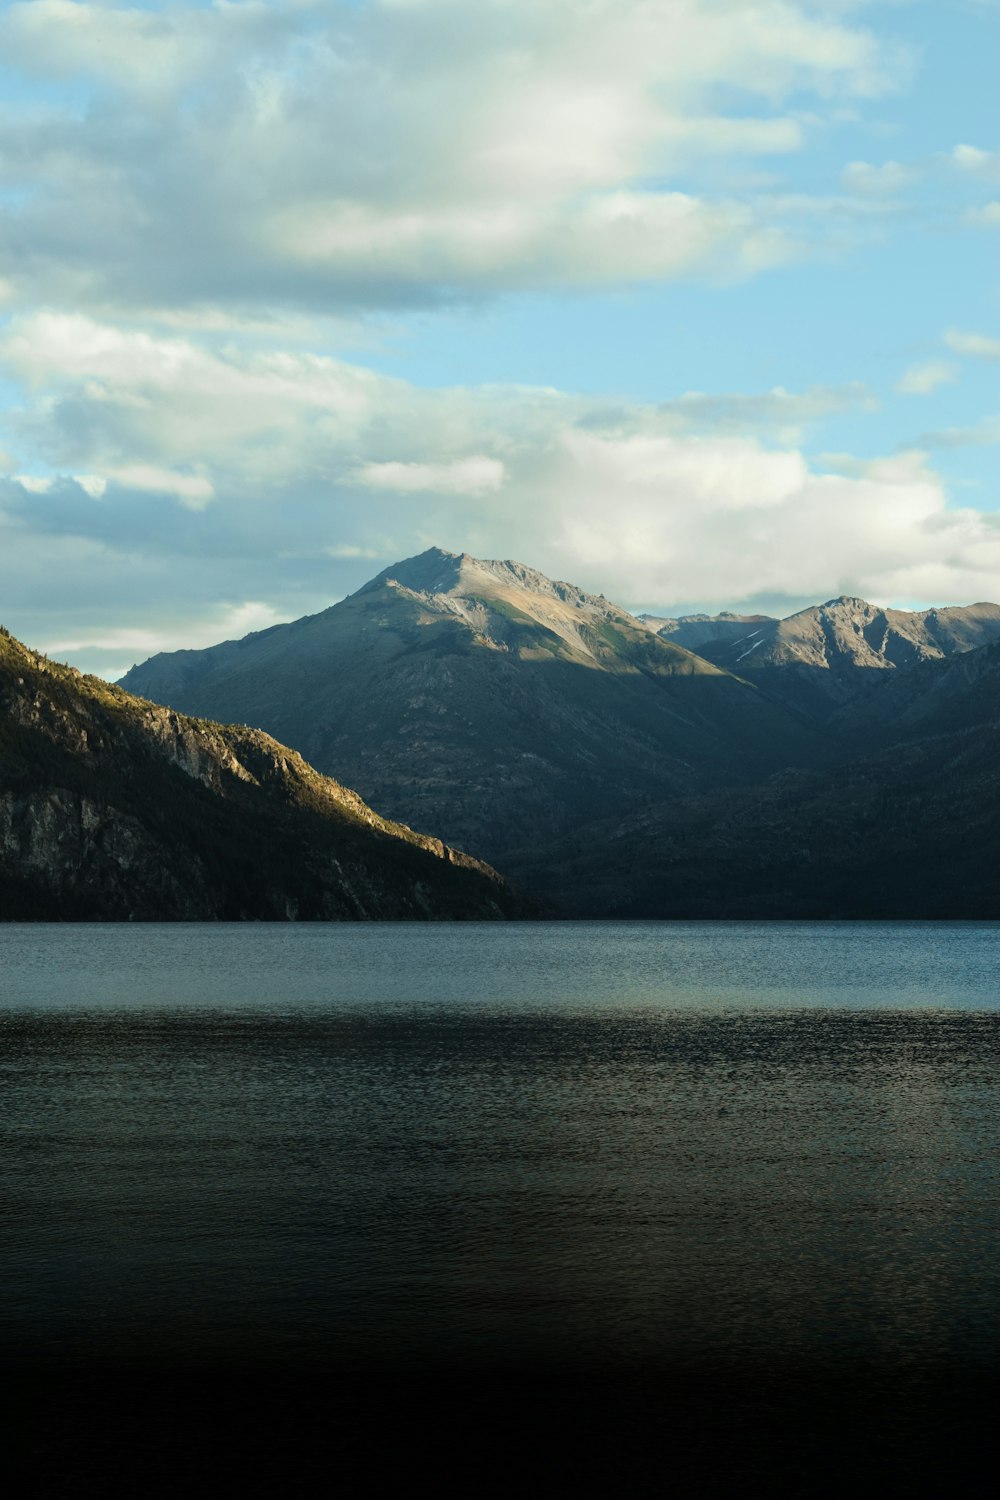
(115, 808)
(822, 657)
(488, 702)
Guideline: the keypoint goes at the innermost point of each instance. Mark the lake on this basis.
(724, 1193)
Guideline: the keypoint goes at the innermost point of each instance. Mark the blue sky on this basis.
(693, 302)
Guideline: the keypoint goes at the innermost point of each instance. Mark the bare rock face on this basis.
(115, 808)
(823, 657)
(844, 631)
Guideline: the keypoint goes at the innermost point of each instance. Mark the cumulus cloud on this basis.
(980, 169)
(192, 490)
(975, 159)
(986, 216)
(976, 345)
(111, 652)
(325, 156)
(983, 434)
(195, 194)
(922, 379)
(783, 414)
(728, 520)
(321, 472)
(889, 178)
(477, 475)
(232, 621)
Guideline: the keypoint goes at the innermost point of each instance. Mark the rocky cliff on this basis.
(115, 808)
(823, 657)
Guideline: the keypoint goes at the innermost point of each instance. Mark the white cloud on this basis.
(974, 159)
(981, 167)
(612, 235)
(41, 484)
(922, 379)
(783, 414)
(192, 490)
(320, 155)
(726, 520)
(983, 434)
(231, 622)
(35, 484)
(94, 484)
(477, 475)
(987, 216)
(976, 345)
(890, 178)
(680, 500)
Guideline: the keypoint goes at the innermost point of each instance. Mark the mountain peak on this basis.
(435, 571)
(846, 601)
(460, 575)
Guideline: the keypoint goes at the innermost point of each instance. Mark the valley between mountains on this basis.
(839, 763)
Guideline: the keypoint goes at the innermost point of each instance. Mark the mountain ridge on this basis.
(618, 772)
(818, 660)
(117, 808)
(505, 707)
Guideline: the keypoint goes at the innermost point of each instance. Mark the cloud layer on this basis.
(330, 155)
(295, 476)
(192, 194)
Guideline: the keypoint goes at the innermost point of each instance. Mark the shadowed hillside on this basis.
(115, 808)
(910, 829)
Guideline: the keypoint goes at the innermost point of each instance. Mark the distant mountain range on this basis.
(116, 809)
(842, 762)
(820, 658)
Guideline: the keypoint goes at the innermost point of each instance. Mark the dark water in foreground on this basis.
(726, 1194)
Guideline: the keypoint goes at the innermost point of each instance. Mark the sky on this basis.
(693, 303)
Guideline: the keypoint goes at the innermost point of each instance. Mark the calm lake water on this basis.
(704, 1161)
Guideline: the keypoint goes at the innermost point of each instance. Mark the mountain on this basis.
(932, 697)
(909, 833)
(695, 631)
(907, 825)
(824, 656)
(844, 766)
(114, 808)
(486, 701)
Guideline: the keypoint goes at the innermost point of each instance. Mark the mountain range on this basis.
(841, 762)
(488, 703)
(114, 808)
(820, 658)
(910, 831)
